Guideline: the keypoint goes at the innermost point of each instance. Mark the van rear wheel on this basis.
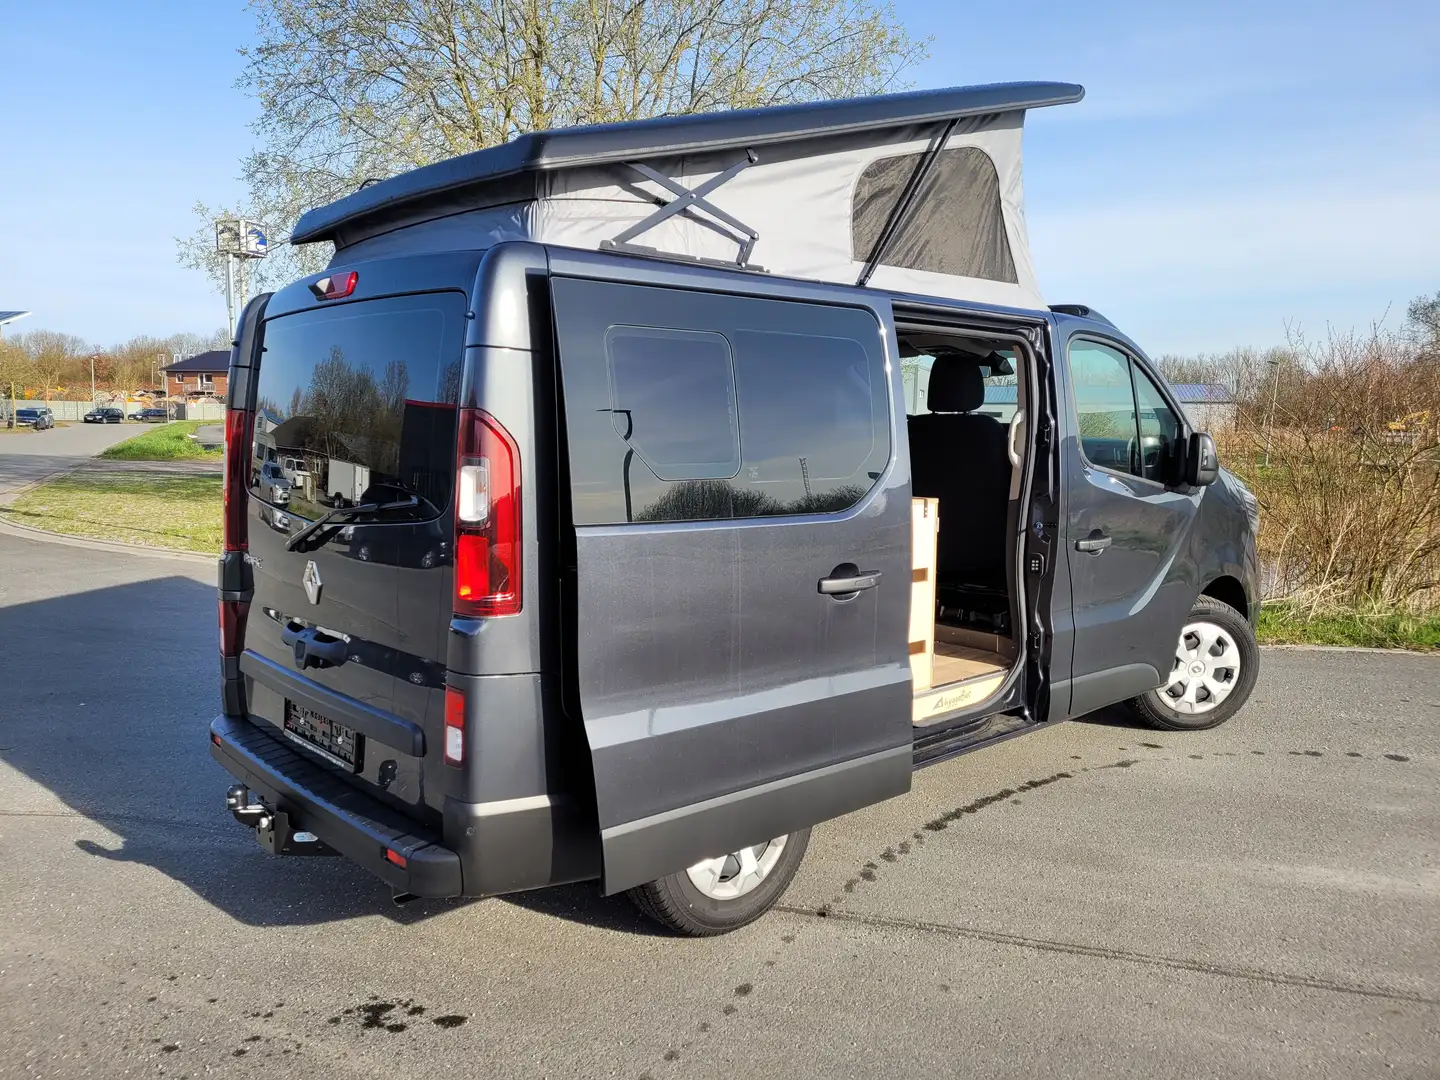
(1215, 668)
(724, 893)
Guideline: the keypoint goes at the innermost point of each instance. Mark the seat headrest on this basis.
(956, 385)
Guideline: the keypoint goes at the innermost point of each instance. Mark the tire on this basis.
(1230, 661)
(680, 904)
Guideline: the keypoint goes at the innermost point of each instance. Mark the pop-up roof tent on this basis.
(916, 192)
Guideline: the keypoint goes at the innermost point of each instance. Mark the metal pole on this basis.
(230, 292)
(1270, 419)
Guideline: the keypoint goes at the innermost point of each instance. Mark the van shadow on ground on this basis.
(108, 698)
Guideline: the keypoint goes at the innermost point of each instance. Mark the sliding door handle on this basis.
(849, 583)
(1093, 544)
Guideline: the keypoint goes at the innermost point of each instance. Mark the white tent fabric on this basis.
(799, 198)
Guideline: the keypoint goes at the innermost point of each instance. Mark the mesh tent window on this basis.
(956, 225)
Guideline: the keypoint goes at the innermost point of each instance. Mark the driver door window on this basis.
(1104, 406)
(1159, 430)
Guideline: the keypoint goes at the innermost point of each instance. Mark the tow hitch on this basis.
(273, 827)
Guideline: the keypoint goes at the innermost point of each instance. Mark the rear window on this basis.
(362, 399)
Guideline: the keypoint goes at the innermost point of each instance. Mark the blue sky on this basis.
(1234, 167)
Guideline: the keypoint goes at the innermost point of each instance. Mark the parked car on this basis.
(39, 419)
(708, 580)
(273, 486)
(104, 416)
(152, 416)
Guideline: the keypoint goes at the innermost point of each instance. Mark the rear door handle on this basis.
(851, 583)
(310, 651)
(1093, 544)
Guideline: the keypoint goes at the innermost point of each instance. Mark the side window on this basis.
(1104, 405)
(807, 420)
(690, 406)
(672, 395)
(1159, 430)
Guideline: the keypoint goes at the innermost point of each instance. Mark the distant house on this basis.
(1210, 406)
(198, 376)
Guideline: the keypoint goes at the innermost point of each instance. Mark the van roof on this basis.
(669, 136)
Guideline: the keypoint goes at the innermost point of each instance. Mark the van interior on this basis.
(968, 455)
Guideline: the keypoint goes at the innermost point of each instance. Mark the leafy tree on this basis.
(368, 88)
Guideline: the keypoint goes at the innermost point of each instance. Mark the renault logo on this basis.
(311, 581)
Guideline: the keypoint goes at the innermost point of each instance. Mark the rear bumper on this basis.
(357, 826)
(483, 849)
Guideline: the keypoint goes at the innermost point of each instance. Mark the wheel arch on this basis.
(1229, 590)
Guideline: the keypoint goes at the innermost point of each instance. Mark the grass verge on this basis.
(1281, 624)
(170, 442)
(180, 512)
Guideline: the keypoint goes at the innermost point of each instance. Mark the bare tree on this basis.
(369, 88)
(16, 371)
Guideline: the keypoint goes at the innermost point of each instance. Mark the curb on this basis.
(29, 532)
(1352, 649)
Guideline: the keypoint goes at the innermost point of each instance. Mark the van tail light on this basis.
(454, 726)
(237, 468)
(233, 614)
(487, 518)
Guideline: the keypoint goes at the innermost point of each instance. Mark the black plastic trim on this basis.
(318, 801)
(391, 730)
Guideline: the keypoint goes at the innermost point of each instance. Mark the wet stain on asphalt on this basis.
(1397, 757)
(377, 1015)
(672, 1055)
(1307, 753)
(729, 1010)
(743, 990)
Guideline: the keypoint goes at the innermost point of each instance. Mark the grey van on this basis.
(671, 550)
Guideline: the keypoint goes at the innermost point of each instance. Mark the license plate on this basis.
(333, 741)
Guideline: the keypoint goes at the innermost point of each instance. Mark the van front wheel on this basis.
(724, 893)
(1215, 667)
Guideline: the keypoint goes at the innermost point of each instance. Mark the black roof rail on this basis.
(1081, 311)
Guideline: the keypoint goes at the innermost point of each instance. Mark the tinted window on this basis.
(363, 395)
(806, 410)
(955, 226)
(738, 408)
(1104, 404)
(673, 396)
(1159, 430)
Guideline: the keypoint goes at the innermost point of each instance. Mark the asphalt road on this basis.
(1097, 900)
(24, 459)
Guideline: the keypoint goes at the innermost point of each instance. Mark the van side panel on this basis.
(727, 698)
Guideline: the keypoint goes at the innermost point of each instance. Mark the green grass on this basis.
(169, 442)
(1283, 625)
(145, 509)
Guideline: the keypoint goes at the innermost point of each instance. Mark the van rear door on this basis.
(740, 585)
(345, 642)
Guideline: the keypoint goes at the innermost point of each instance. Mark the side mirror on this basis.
(1202, 463)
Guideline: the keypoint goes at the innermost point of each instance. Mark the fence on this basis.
(75, 410)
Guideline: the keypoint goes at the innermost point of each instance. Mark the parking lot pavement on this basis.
(26, 459)
(1095, 900)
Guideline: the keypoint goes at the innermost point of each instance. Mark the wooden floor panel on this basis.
(956, 662)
